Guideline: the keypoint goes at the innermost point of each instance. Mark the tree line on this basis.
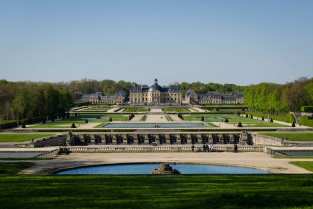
(202, 88)
(30, 100)
(279, 98)
(23, 100)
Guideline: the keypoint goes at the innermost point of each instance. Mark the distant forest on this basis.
(27, 99)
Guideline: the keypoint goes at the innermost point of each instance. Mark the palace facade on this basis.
(214, 98)
(98, 98)
(155, 94)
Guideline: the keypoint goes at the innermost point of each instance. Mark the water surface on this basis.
(155, 125)
(147, 168)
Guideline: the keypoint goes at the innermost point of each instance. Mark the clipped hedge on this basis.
(13, 123)
(307, 109)
(306, 121)
(8, 124)
(289, 118)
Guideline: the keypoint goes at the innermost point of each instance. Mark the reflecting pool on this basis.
(19, 154)
(215, 118)
(156, 125)
(97, 118)
(147, 168)
(298, 153)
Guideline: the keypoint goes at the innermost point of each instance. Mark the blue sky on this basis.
(222, 41)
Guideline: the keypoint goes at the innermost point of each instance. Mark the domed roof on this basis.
(155, 86)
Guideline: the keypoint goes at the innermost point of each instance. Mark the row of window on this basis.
(150, 100)
(152, 95)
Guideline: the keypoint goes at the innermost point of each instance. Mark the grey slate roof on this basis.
(213, 95)
(138, 88)
(98, 95)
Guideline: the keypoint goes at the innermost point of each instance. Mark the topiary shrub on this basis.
(86, 121)
(202, 118)
(246, 115)
(271, 120)
(251, 116)
(73, 125)
(110, 119)
(262, 118)
(23, 125)
(239, 124)
(293, 124)
(226, 120)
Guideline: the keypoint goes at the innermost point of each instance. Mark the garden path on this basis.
(156, 119)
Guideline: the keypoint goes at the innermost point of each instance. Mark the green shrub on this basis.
(307, 109)
(86, 121)
(202, 118)
(23, 125)
(289, 118)
(306, 121)
(271, 120)
(110, 119)
(293, 124)
(73, 125)
(8, 124)
(251, 116)
(239, 124)
(226, 120)
(246, 115)
(262, 118)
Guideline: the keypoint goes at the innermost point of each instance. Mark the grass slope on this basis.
(14, 168)
(143, 191)
(292, 136)
(21, 137)
(304, 164)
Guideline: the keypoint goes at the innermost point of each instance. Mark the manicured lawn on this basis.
(295, 157)
(144, 191)
(143, 118)
(66, 123)
(292, 136)
(304, 164)
(233, 119)
(176, 110)
(14, 168)
(136, 110)
(21, 137)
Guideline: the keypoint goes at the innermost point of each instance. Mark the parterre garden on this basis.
(134, 110)
(232, 119)
(22, 137)
(304, 136)
(81, 119)
(176, 110)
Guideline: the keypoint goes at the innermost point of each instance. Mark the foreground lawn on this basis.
(233, 119)
(144, 191)
(13, 168)
(304, 164)
(21, 137)
(292, 136)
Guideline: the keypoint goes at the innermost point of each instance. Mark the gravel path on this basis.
(255, 160)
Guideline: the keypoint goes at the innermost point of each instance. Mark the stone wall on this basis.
(120, 149)
(162, 138)
(258, 139)
(59, 140)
